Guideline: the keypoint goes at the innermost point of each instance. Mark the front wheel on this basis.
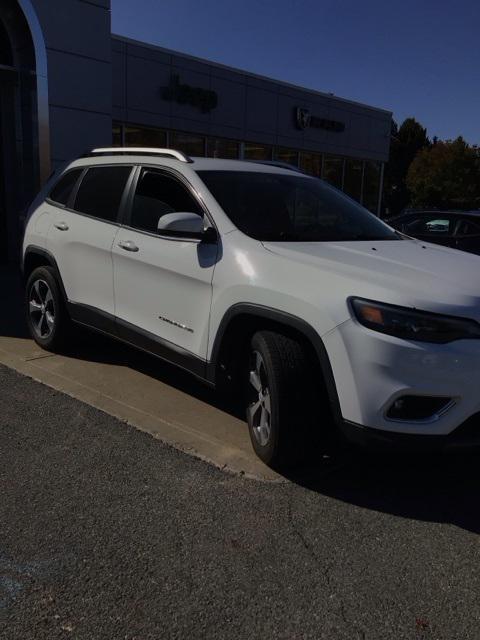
(279, 409)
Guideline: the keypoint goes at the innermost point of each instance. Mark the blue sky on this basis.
(417, 58)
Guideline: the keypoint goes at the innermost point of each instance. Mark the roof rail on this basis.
(141, 151)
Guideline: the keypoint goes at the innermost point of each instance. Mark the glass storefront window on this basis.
(254, 151)
(290, 156)
(342, 173)
(144, 137)
(189, 143)
(353, 178)
(311, 163)
(371, 185)
(6, 53)
(116, 135)
(222, 148)
(333, 171)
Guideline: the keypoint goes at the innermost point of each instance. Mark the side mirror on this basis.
(187, 225)
(181, 223)
(210, 236)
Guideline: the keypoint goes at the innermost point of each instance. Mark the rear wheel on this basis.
(279, 399)
(47, 317)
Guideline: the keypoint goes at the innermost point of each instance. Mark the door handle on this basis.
(128, 245)
(61, 226)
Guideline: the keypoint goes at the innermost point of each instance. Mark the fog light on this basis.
(417, 407)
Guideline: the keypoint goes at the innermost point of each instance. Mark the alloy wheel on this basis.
(41, 307)
(259, 407)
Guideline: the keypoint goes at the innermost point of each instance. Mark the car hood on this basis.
(405, 272)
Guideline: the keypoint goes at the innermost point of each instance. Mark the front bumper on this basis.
(371, 370)
(466, 437)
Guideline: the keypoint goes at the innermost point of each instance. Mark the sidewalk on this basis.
(132, 386)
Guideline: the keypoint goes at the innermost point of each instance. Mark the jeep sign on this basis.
(203, 99)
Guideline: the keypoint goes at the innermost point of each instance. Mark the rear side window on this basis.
(101, 192)
(64, 187)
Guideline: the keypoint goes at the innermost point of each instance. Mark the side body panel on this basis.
(38, 226)
(82, 248)
(165, 287)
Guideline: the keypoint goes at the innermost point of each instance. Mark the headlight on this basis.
(411, 324)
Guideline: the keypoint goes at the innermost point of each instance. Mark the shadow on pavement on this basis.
(97, 348)
(442, 489)
(94, 347)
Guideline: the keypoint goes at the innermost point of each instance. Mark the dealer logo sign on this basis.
(203, 99)
(304, 120)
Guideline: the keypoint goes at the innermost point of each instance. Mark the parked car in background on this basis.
(456, 229)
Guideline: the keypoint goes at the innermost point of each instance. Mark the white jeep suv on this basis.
(257, 277)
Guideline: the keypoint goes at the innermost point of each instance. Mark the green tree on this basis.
(446, 175)
(406, 141)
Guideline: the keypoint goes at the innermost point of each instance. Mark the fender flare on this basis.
(48, 257)
(288, 320)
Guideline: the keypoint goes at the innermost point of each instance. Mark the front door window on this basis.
(158, 194)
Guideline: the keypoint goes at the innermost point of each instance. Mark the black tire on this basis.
(46, 313)
(287, 380)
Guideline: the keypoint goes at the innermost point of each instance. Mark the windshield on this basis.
(282, 207)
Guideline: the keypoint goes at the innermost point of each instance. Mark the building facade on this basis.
(62, 93)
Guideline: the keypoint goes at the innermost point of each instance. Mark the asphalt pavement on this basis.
(107, 533)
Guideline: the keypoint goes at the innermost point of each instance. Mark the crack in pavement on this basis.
(325, 570)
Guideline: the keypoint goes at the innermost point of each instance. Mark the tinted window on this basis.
(101, 191)
(6, 54)
(189, 143)
(62, 190)
(156, 195)
(252, 151)
(290, 156)
(333, 170)
(353, 178)
(222, 148)
(467, 228)
(433, 224)
(311, 163)
(269, 206)
(371, 185)
(142, 137)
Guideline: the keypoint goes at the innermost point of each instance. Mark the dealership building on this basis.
(68, 85)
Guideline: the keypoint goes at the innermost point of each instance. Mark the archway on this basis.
(8, 82)
(21, 144)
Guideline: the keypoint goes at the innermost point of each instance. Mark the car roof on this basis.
(220, 164)
(150, 157)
